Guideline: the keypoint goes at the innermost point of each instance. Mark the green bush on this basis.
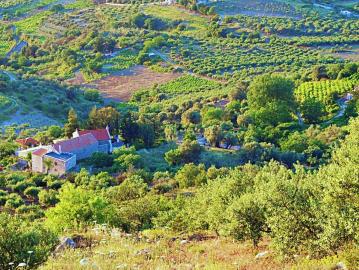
(48, 197)
(100, 160)
(14, 201)
(32, 192)
(21, 186)
(24, 242)
(30, 212)
(92, 95)
(191, 175)
(3, 199)
(78, 208)
(55, 184)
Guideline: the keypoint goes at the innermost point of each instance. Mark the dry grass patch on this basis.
(121, 251)
(123, 84)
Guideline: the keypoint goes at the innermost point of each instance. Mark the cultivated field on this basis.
(121, 85)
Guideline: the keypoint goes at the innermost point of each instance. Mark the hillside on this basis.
(179, 134)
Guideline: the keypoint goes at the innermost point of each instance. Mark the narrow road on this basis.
(300, 119)
(342, 103)
(11, 76)
(17, 48)
(163, 57)
(12, 106)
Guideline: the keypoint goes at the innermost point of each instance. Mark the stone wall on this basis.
(58, 166)
(85, 152)
(37, 165)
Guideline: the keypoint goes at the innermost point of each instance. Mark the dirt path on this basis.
(12, 106)
(11, 76)
(164, 57)
(17, 48)
(300, 119)
(342, 103)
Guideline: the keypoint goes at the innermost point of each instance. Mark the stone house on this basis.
(64, 155)
(101, 135)
(83, 146)
(52, 162)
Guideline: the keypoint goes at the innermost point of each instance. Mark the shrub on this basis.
(32, 192)
(55, 184)
(100, 160)
(191, 175)
(3, 199)
(78, 207)
(48, 197)
(21, 186)
(7, 149)
(30, 212)
(92, 95)
(18, 237)
(132, 188)
(247, 218)
(14, 201)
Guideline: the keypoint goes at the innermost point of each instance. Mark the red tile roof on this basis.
(40, 152)
(75, 143)
(99, 134)
(27, 141)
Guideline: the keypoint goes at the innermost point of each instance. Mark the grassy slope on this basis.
(162, 250)
(197, 24)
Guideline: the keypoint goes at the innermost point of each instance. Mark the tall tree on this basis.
(129, 128)
(107, 116)
(72, 123)
(271, 99)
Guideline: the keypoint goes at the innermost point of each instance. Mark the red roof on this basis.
(75, 143)
(40, 152)
(27, 141)
(99, 134)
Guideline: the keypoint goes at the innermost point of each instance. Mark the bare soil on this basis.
(121, 85)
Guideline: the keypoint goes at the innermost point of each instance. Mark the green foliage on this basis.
(132, 188)
(32, 192)
(189, 151)
(125, 158)
(271, 100)
(191, 175)
(312, 110)
(7, 149)
(92, 95)
(78, 207)
(104, 117)
(48, 197)
(135, 208)
(214, 135)
(13, 201)
(101, 160)
(247, 219)
(23, 242)
(324, 91)
(95, 182)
